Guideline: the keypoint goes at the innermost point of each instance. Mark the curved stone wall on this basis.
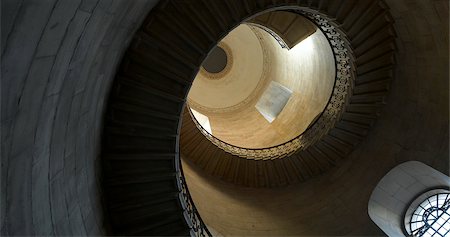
(59, 57)
(58, 60)
(400, 192)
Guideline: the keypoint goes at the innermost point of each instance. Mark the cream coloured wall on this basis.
(308, 70)
(232, 88)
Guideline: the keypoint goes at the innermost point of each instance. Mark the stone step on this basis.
(129, 132)
(372, 98)
(166, 223)
(188, 21)
(359, 15)
(160, 104)
(345, 9)
(371, 29)
(322, 5)
(140, 190)
(313, 4)
(135, 213)
(308, 163)
(362, 119)
(346, 136)
(354, 128)
(124, 107)
(164, 63)
(333, 155)
(139, 144)
(380, 74)
(325, 159)
(140, 156)
(385, 34)
(187, 36)
(339, 146)
(377, 51)
(385, 60)
(132, 68)
(232, 10)
(209, 23)
(368, 91)
(369, 14)
(175, 48)
(137, 203)
(129, 86)
(133, 119)
(155, 167)
(332, 7)
(167, 228)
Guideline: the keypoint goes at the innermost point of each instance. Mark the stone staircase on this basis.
(369, 30)
(141, 170)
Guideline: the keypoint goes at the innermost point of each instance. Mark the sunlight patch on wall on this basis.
(305, 47)
(203, 120)
(273, 101)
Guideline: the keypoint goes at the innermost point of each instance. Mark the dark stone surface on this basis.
(58, 61)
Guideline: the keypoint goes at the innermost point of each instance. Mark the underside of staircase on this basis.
(141, 150)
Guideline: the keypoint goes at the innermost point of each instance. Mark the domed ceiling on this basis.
(234, 85)
(237, 100)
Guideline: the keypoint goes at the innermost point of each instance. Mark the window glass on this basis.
(432, 217)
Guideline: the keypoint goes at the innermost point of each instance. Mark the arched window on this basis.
(431, 217)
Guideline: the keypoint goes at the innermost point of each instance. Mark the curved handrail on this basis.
(335, 106)
(197, 225)
(279, 39)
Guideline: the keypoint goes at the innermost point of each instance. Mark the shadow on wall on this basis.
(58, 62)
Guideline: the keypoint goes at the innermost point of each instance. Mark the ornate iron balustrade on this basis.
(345, 76)
(198, 227)
(272, 33)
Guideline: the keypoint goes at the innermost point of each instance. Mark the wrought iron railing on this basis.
(332, 112)
(195, 222)
(345, 76)
(272, 33)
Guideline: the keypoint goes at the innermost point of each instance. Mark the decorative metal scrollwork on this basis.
(198, 227)
(345, 76)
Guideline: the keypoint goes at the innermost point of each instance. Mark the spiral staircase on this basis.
(143, 182)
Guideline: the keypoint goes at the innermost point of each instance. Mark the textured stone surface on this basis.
(398, 190)
(58, 61)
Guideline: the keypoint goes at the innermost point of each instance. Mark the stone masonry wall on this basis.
(58, 61)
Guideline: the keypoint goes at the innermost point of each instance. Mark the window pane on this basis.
(432, 217)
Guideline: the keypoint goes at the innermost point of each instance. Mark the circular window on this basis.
(431, 217)
(216, 60)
